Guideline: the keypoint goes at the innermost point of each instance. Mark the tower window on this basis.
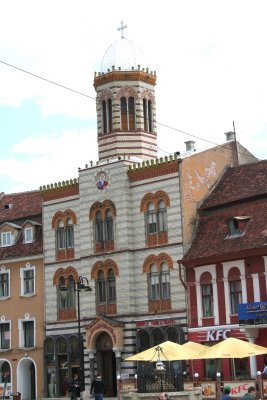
(127, 114)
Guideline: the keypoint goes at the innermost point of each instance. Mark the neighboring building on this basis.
(226, 268)
(119, 228)
(21, 294)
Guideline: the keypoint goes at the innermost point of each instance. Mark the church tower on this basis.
(125, 103)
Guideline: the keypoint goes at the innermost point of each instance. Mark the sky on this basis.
(209, 55)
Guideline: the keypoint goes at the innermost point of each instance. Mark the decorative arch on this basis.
(158, 260)
(64, 216)
(126, 92)
(100, 325)
(102, 207)
(154, 198)
(65, 272)
(205, 277)
(147, 94)
(104, 266)
(106, 94)
(234, 273)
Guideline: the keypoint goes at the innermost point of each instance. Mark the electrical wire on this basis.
(95, 99)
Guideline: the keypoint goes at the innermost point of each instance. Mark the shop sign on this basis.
(156, 322)
(252, 313)
(217, 334)
(240, 389)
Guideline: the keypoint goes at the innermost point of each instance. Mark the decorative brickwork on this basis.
(104, 266)
(158, 260)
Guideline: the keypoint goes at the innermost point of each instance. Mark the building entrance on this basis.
(106, 363)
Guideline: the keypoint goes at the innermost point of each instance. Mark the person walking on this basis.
(74, 387)
(226, 393)
(251, 393)
(98, 387)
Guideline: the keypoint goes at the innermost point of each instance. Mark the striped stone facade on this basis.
(118, 143)
(129, 254)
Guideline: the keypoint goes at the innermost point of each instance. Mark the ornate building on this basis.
(21, 295)
(118, 228)
(226, 268)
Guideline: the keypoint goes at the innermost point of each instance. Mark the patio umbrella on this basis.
(166, 351)
(234, 348)
(195, 350)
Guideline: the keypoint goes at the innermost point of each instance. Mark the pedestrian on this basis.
(98, 387)
(164, 396)
(264, 372)
(251, 393)
(226, 393)
(74, 387)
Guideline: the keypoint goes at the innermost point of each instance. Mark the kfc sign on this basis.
(216, 335)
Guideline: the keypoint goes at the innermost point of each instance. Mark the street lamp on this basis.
(82, 284)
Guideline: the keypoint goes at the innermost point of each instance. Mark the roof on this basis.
(15, 210)
(250, 179)
(20, 205)
(123, 53)
(242, 191)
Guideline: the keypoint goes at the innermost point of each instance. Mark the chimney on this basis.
(190, 145)
(230, 136)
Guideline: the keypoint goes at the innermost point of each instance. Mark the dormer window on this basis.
(237, 226)
(6, 239)
(28, 235)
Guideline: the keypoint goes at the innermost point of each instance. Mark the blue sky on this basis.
(209, 57)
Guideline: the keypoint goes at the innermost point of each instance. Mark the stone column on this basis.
(118, 360)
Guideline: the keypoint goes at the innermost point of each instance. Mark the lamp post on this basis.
(82, 284)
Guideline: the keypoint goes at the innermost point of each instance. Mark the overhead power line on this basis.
(93, 98)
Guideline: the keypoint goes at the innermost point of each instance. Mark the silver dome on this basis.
(125, 54)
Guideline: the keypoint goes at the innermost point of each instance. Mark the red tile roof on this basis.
(242, 191)
(16, 208)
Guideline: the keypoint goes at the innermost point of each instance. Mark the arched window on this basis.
(154, 283)
(66, 300)
(206, 295)
(99, 237)
(63, 223)
(101, 287)
(109, 225)
(105, 274)
(127, 113)
(159, 289)
(151, 219)
(159, 282)
(69, 234)
(154, 207)
(103, 216)
(107, 116)
(235, 289)
(162, 216)
(60, 235)
(147, 115)
(111, 286)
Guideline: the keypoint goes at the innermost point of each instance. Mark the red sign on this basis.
(156, 322)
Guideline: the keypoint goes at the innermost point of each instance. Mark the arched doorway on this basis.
(106, 363)
(26, 379)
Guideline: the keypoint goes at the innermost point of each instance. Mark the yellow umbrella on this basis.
(166, 351)
(234, 348)
(195, 350)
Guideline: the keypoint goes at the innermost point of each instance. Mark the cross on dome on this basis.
(121, 28)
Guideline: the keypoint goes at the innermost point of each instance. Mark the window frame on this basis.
(6, 239)
(30, 323)
(207, 300)
(28, 234)
(24, 280)
(4, 271)
(235, 295)
(2, 324)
